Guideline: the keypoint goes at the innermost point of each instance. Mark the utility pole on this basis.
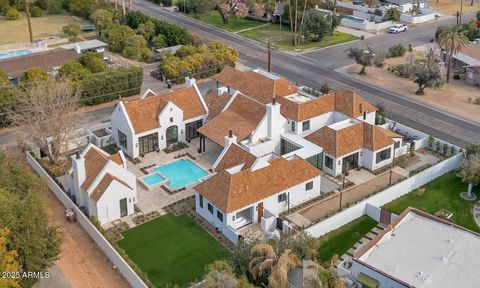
(123, 7)
(27, 11)
(461, 11)
(343, 183)
(269, 54)
(184, 7)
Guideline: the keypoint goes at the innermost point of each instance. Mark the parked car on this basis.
(108, 59)
(398, 28)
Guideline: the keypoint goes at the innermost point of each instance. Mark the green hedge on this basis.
(173, 34)
(110, 85)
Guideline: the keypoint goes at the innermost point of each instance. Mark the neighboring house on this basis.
(419, 250)
(467, 63)
(49, 61)
(472, 75)
(241, 191)
(94, 45)
(406, 6)
(155, 122)
(101, 184)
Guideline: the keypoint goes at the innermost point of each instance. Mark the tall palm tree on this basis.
(267, 262)
(452, 40)
(26, 4)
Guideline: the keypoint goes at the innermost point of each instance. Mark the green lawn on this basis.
(234, 24)
(341, 240)
(443, 192)
(283, 40)
(172, 250)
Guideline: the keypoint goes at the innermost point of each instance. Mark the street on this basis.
(316, 67)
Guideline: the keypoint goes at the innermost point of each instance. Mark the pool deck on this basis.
(156, 199)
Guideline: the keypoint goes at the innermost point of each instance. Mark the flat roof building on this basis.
(419, 250)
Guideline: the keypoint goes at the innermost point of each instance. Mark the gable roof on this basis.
(344, 101)
(242, 116)
(143, 113)
(234, 156)
(95, 160)
(344, 141)
(255, 85)
(103, 185)
(216, 103)
(230, 192)
(47, 60)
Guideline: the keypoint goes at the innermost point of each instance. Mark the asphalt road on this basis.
(316, 67)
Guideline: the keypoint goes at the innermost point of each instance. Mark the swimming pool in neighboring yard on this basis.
(14, 54)
(354, 19)
(181, 173)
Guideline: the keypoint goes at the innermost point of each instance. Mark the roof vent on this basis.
(190, 75)
(274, 101)
(77, 155)
(230, 133)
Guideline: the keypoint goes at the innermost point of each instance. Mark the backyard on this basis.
(260, 31)
(172, 249)
(442, 193)
(42, 27)
(340, 240)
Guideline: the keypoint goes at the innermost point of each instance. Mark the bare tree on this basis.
(47, 110)
(226, 8)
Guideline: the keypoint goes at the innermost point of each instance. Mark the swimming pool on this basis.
(153, 179)
(354, 19)
(15, 54)
(181, 173)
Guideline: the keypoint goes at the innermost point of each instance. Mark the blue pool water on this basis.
(354, 19)
(14, 54)
(181, 173)
(153, 179)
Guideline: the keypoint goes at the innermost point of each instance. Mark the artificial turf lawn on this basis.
(283, 39)
(342, 239)
(443, 192)
(171, 249)
(234, 24)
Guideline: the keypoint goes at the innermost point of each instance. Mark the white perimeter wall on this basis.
(384, 197)
(102, 243)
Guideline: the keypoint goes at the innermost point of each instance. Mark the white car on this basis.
(398, 28)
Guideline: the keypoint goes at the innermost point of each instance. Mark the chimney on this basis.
(189, 81)
(78, 166)
(229, 139)
(274, 119)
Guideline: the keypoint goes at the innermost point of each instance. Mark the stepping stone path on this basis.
(364, 241)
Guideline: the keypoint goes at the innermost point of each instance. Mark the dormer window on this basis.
(171, 119)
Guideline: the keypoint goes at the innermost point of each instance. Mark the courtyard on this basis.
(172, 249)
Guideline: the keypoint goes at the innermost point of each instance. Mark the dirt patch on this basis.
(331, 205)
(407, 160)
(450, 7)
(81, 262)
(452, 97)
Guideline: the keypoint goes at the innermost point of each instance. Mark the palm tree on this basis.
(267, 262)
(452, 40)
(26, 4)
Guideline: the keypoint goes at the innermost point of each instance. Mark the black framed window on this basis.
(306, 125)
(287, 147)
(210, 208)
(171, 119)
(316, 160)
(200, 201)
(397, 144)
(220, 216)
(293, 126)
(309, 186)
(282, 197)
(122, 139)
(328, 162)
(383, 155)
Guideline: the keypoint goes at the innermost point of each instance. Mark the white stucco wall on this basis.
(107, 209)
(121, 122)
(170, 111)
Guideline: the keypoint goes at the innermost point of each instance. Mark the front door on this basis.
(260, 212)
(350, 162)
(172, 135)
(123, 207)
(148, 143)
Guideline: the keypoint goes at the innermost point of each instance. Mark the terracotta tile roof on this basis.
(255, 85)
(216, 103)
(143, 113)
(242, 116)
(234, 156)
(230, 192)
(47, 60)
(341, 142)
(103, 185)
(95, 160)
(351, 104)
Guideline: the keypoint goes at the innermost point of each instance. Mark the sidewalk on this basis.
(355, 32)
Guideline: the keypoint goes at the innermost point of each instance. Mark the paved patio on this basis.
(157, 198)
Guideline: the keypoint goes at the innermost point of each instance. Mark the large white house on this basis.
(101, 184)
(157, 121)
(419, 250)
(246, 189)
